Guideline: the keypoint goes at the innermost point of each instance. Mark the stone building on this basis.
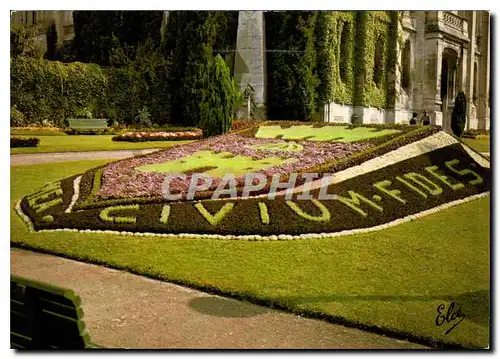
(441, 54)
(43, 20)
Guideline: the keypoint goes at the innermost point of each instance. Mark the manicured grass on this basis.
(326, 133)
(394, 279)
(29, 133)
(213, 164)
(480, 145)
(59, 143)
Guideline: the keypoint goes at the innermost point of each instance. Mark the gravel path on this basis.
(123, 310)
(40, 158)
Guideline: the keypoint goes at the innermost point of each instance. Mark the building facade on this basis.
(43, 20)
(440, 54)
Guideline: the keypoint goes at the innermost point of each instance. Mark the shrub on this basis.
(143, 118)
(478, 134)
(43, 89)
(458, 116)
(218, 105)
(24, 142)
(17, 118)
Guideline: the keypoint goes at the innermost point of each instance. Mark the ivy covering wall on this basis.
(347, 44)
(353, 60)
(335, 49)
(375, 26)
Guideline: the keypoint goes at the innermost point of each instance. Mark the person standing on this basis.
(426, 119)
(413, 120)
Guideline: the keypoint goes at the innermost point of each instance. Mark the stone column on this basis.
(250, 61)
(419, 63)
(431, 100)
(483, 110)
(469, 87)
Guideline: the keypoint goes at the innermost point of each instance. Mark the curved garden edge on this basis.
(396, 222)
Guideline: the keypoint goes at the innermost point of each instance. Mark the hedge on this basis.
(50, 90)
(24, 142)
(43, 89)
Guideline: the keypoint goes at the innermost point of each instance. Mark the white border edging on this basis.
(266, 238)
(76, 193)
(479, 159)
(25, 218)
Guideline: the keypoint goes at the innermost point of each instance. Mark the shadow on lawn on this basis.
(475, 305)
(229, 308)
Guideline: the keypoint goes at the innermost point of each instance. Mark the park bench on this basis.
(87, 124)
(44, 316)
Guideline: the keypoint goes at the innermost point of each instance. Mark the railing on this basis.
(446, 21)
(452, 20)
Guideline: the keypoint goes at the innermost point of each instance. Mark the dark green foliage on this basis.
(51, 43)
(458, 116)
(24, 142)
(138, 85)
(94, 32)
(21, 41)
(191, 40)
(292, 78)
(220, 95)
(50, 90)
(67, 52)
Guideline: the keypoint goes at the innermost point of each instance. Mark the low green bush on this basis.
(24, 142)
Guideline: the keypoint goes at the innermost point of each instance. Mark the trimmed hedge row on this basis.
(49, 90)
(24, 142)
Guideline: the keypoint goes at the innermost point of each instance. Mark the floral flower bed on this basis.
(387, 195)
(158, 136)
(122, 180)
(24, 142)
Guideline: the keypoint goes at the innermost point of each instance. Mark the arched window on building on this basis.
(378, 71)
(406, 81)
(344, 48)
(474, 89)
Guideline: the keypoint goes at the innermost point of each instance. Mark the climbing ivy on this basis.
(335, 56)
(346, 43)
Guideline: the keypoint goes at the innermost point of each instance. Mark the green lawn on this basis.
(213, 164)
(482, 145)
(65, 143)
(392, 279)
(325, 133)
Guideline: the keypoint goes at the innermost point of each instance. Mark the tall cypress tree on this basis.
(190, 40)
